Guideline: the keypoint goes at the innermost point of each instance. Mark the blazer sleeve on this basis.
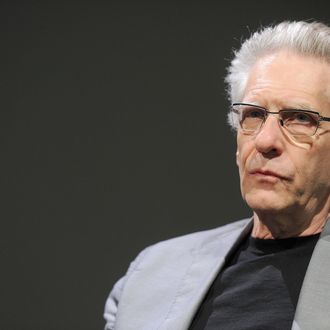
(111, 306)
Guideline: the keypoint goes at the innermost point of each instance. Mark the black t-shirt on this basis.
(259, 287)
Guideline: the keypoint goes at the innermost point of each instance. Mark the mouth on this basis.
(267, 174)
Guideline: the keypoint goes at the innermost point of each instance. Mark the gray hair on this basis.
(306, 38)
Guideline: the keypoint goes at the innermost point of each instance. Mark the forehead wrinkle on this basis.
(264, 96)
(266, 87)
(270, 93)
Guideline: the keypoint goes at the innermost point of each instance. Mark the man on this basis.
(271, 271)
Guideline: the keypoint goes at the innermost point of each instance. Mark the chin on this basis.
(265, 201)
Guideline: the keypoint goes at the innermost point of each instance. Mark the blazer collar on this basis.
(209, 258)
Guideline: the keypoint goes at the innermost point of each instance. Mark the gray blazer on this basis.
(166, 283)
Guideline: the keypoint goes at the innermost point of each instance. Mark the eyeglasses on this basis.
(296, 122)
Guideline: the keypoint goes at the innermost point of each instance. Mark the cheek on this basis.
(244, 150)
(319, 169)
(239, 150)
(237, 158)
(312, 172)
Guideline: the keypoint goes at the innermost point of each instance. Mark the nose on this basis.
(270, 140)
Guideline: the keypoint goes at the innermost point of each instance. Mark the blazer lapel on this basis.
(313, 309)
(209, 260)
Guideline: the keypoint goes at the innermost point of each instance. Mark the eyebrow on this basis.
(303, 106)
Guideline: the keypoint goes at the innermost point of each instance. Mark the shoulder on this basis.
(200, 236)
(160, 268)
(182, 244)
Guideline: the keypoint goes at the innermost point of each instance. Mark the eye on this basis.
(299, 118)
(252, 113)
(250, 116)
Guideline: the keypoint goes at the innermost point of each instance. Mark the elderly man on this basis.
(271, 271)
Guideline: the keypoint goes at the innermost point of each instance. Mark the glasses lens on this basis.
(299, 122)
(250, 117)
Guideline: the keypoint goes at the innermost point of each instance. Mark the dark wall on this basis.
(113, 137)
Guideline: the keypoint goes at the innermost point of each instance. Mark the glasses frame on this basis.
(319, 117)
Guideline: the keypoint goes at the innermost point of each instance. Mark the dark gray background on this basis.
(113, 137)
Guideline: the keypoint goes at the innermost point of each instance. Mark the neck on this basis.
(293, 221)
(270, 226)
(273, 228)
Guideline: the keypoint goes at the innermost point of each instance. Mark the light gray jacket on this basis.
(166, 283)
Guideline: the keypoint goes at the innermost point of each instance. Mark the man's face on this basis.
(280, 173)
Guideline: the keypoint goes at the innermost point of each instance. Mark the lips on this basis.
(268, 173)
